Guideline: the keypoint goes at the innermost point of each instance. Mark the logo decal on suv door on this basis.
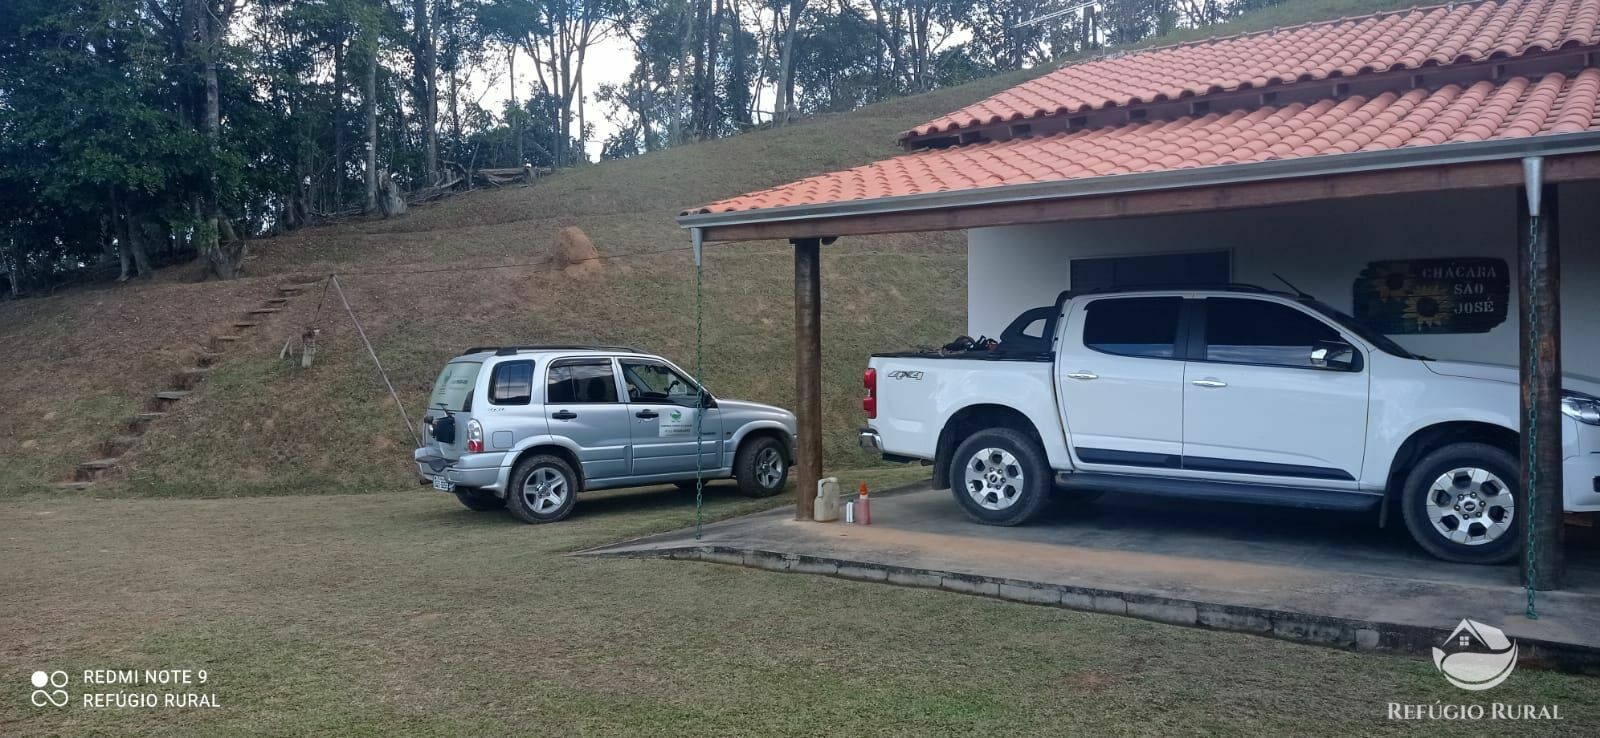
(677, 423)
(903, 374)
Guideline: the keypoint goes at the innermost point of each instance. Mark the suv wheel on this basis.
(543, 489)
(480, 500)
(1460, 504)
(1000, 477)
(761, 467)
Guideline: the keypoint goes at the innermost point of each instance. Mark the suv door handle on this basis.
(647, 414)
(1083, 375)
(1209, 382)
(563, 415)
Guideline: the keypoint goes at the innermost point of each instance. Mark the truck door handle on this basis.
(1209, 382)
(1083, 375)
(563, 415)
(647, 414)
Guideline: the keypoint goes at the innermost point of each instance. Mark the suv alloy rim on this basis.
(994, 479)
(545, 490)
(769, 467)
(1470, 506)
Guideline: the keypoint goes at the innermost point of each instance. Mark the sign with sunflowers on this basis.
(1433, 295)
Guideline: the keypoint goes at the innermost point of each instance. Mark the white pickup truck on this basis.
(1234, 394)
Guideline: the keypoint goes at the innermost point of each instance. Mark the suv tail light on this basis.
(869, 379)
(474, 437)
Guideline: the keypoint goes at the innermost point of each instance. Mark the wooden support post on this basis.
(1539, 272)
(807, 372)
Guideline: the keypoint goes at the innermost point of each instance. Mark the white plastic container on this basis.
(826, 507)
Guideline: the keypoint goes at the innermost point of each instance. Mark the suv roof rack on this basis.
(512, 350)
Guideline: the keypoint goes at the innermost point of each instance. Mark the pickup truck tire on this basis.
(543, 489)
(1463, 503)
(477, 499)
(1000, 477)
(761, 467)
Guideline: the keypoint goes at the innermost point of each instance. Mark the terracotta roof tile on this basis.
(1447, 34)
(1516, 107)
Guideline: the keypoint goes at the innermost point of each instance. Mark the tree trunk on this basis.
(118, 231)
(426, 74)
(708, 100)
(516, 112)
(784, 95)
(336, 106)
(394, 201)
(137, 247)
(369, 104)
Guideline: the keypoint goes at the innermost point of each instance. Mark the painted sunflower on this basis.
(1428, 312)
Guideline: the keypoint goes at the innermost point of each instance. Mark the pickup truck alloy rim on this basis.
(545, 490)
(994, 479)
(769, 467)
(1470, 506)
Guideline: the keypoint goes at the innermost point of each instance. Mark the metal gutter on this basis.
(1118, 184)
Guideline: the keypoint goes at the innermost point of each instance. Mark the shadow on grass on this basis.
(643, 502)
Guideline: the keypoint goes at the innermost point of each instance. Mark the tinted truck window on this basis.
(1134, 326)
(1260, 332)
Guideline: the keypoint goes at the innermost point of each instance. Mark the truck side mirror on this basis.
(1335, 355)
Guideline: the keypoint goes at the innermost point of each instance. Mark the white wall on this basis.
(1321, 248)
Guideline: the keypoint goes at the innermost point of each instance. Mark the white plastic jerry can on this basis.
(826, 507)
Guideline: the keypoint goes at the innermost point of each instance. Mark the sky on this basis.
(609, 61)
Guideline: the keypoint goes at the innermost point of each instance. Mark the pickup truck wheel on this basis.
(1460, 504)
(761, 467)
(477, 499)
(543, 489)
(1000, 477)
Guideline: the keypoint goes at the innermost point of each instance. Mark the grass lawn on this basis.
(402, 612)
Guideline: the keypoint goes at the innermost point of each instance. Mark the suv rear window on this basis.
(454, 385)
(1134, 326)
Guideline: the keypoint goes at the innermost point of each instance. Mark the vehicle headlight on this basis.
(1582, 408)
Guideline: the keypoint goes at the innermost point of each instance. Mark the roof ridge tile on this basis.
(1390, 40)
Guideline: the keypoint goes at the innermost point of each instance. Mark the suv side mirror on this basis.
(1335, 355)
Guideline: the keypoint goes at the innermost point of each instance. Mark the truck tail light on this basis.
(869, 379)
(474, 437)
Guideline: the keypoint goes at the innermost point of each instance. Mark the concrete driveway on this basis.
(1319, 577)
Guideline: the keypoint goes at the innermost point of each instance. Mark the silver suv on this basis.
(527, 427)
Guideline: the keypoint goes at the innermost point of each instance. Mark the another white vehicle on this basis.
(1236, 394)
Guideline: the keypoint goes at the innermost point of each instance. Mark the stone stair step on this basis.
(90, 471)
(143, 419)
(119, 445)
(171, 395)
(265, 311)
(246, 324)
(277, 300)
(73, 486)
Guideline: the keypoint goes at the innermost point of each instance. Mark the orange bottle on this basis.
(863, 507)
